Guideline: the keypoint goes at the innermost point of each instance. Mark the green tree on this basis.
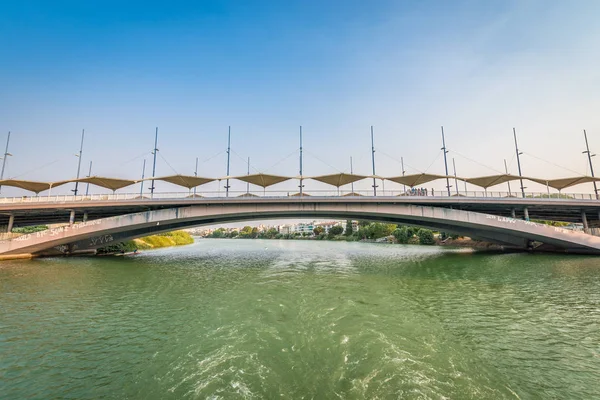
(336, 230)
(218, 233)
(348, 228)
(378, 230)
(233, 234)
(318, 230)
(401, 235)
(271, 233)
(246, 232)
(425, 236)
(254, 233)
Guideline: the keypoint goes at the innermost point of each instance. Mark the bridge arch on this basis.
(98, 233)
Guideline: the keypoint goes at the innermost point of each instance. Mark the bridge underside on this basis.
(34, 213)
(87, 236)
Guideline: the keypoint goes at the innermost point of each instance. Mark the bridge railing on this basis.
(282, 194)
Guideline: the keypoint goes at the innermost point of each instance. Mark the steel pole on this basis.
(445, 161)
(455, 178)
(154, 162)
(196, 175)
(403, 172)
(373, 160)
(506, 170)
(5, 157)
(87, 188)
(79, 162)
(519, 162)
(351, 173)
(301, 179)
(248, 173)
(228, 159)
(142, 181)
(590, 155)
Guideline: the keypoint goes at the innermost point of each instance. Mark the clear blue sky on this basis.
(119, 69)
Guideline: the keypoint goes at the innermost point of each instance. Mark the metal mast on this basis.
(352, 173)
(506, 170)
(142, 181)
(87, 188)
(196, 174)
(248, 173)
(301, 179)
(445, 161)
(6, 154)
(228, 157)
(455, 178)
(589, 154)
(519, 161)
(403, 172)
(373, 160)
(79, 162)
(154, 162)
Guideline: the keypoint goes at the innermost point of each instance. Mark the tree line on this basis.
(367, 231)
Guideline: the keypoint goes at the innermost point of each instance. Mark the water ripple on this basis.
(293, 319)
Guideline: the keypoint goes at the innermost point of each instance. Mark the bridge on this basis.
(91, 222)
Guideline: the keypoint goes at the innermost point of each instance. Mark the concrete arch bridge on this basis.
(96, 224)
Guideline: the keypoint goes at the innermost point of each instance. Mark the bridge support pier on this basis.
(526, 214)
(11, 222)
(584, 220)
(85, 216)
(513, 213)
(72, 217)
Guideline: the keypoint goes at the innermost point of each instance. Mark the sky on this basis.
(264, 68)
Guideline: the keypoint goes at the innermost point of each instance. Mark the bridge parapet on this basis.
(284, 194)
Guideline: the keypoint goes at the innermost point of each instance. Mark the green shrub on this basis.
(336, 230)
(425, 236)
(402, 235)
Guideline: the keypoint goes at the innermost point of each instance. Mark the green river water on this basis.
(228, 319)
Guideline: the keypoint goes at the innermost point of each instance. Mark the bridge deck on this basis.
(55, 210)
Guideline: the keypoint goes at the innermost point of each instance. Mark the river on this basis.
(226, 319)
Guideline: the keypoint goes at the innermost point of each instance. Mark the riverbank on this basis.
(169, 239)
(362, 231)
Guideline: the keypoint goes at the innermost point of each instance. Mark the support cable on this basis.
(38, 168)
(136, 158)
(475, 161)
(398, 161)
(165, 160)
(324, 162)
(551, 163)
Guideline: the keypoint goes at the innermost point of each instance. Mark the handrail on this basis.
(240, 195)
